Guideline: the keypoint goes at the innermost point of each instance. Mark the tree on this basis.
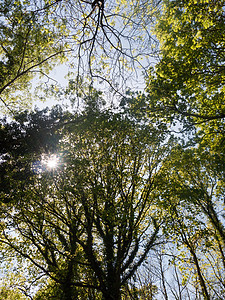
(29, 46)
(187, 83)
(99, 39)
(29, 133)
(192, 197)
(89, 223)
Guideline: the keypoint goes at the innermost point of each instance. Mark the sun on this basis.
(51, 162)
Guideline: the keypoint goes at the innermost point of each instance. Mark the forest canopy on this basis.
(119, 196)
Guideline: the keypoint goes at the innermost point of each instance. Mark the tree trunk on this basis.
(113, 294)
(113, 289)
(69, 292)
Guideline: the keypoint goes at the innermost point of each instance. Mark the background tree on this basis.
(30, 46)
(187, 83)
(192, 197)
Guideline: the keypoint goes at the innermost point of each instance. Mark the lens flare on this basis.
(52, 162)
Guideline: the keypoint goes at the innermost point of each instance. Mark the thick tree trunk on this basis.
(69, 292)
(113, 294)
(113, 287)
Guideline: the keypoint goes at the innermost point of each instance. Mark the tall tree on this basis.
(192, 197)
(90, 222)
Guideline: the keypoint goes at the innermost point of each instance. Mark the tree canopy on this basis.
(100, 40)
(188, 81)
(88, 222)
(122, 196)
(29, 47)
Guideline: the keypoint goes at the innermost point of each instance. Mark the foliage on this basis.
(13, 283)
(20, 139)
(98, 39)
(29, 46)
(9, 294)
(125, 211)
(192, 197)
(187, 83)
